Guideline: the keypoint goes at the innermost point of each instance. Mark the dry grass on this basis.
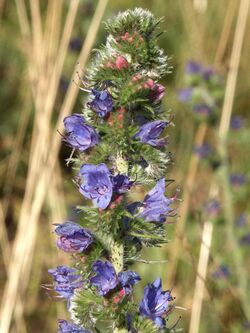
(48, 49)
(199, 139)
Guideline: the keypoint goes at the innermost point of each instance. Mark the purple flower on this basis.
(155, 206)
(95, 184)
(185, 95)
(155, 302)
(102, 102)
(221, 272)
(75, 44)
(208, 72)
(237, 179)
(245, 240)
(79, 135)
(157, 92)
(241, 220)
(203, 150)
(193, 67)
(150, 132)
(121, 183)
(128, 279)
(212, 207)
(66, 327)
(73, 238)
(202, 109)
(237, 122)
(66, 280)
(105, 278)
(63, 84)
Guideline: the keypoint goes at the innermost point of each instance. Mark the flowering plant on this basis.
(203, 92)
(121, 142)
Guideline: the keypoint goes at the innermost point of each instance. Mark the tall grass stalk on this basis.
(175, 248)
(241, 273)
(201, 277)
(224, 181)
(40, 152)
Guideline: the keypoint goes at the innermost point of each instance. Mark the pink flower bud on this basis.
(149, 84)
(121, 62)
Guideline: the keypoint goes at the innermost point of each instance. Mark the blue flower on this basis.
(202, 109)
(237, 122)
(185, 95)
(155, 302)
(193, 67)
(128, 279)
(208, 72)
(105, 278)
(150, 132)
(241, 220)
(66, 280)
(155, 206)
(95, 184)
(237, 179)
(212, 208)
(121, 183)
(157, 92)
(102, 102)
(75, 44)
(221, 272)
(203, 151)
(73, 238)
(79, 135)
(66, 327)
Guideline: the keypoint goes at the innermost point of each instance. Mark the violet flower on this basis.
(185, 95)
(65, 280)
(75, 44)
(121, 183)
(79, 135)
(202, 109)
(193, 67)
(102, 102)
(237, 122)
(128, 279)
(155, 303)
(66, 327)
(155, 206)
(203, 151)
(221, 272)
(72, 237)
(212, 208)
(150, 132)
(95, 184)
(105, 278)
(241, 220)
(237, 179)
(157, 92)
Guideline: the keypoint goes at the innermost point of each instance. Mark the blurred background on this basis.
(42, 46)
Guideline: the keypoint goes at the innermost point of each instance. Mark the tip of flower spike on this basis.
(140, 20)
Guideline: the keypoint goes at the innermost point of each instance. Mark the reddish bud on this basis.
(121, 62)
(149, 84)
(125, 36)
(136, 77)
(119, 297)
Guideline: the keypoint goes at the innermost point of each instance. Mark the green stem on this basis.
(117, 252)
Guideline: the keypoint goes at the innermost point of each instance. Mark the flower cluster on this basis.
(203, 92)
(120, 142)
